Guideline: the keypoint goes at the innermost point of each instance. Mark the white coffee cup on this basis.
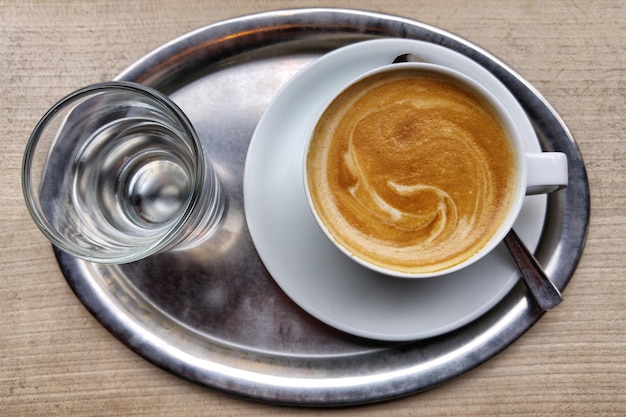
(536, 173)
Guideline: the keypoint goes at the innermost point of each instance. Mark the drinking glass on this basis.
(115, 172)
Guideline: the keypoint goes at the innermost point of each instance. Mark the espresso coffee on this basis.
(410, 170)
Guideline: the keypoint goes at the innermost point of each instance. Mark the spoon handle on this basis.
(543, 290)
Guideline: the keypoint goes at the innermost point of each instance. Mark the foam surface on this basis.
(412, 173)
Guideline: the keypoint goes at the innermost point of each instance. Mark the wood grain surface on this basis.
(57, 360)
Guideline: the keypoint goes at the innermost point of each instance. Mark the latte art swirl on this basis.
(412, 173)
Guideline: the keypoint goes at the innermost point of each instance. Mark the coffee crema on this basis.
(411, 171)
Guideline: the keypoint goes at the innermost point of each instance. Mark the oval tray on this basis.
(214, 315)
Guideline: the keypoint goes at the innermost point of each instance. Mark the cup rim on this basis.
(516, 142)
(41, 219)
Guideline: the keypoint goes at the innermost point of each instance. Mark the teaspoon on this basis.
(544, 292)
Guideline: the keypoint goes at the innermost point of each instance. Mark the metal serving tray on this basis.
(214, 315)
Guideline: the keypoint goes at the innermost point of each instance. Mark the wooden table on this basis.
(56, 359)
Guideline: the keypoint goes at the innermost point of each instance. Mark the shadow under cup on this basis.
(115, 172)
(417, 112)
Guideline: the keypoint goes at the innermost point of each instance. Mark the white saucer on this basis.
(308, 268)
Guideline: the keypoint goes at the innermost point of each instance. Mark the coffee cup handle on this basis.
(545, 172)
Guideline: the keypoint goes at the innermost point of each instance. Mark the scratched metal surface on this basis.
(213, 315)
